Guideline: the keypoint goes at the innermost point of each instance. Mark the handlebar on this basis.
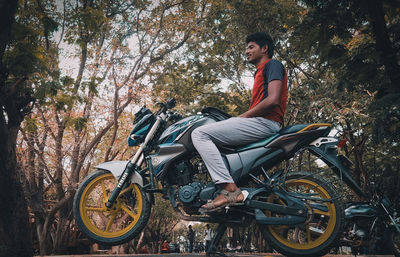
(167, 105)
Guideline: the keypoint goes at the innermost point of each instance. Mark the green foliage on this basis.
(31, 125)
(64, 101)
(77, 124)
(50, 25)
(345, 37)
(25, 54)
(335, 63)
(387, 121)
(188, 83)
(67, 82)
(338, 72)
(47, 88)
(92, 84)
(162, 221)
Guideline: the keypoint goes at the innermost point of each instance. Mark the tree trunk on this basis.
(384, 46)
(15, 237)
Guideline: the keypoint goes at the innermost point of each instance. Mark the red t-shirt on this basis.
(266, 72)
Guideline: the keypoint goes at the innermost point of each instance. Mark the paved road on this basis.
(199, 254)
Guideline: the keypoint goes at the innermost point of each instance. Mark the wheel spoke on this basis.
(125, 190)
(98, 209)
(103, 188)
(129, 212)
(322, 215)
(110, 222)
(316, 211)
(308, 234)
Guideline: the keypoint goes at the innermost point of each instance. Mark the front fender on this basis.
(117, 167)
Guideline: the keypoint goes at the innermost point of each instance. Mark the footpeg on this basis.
(227, 209)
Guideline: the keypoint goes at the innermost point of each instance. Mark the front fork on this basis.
(135, 163)
(126, 175)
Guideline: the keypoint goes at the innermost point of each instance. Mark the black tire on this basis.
(394, 242)
(110, 226)
(322, 229)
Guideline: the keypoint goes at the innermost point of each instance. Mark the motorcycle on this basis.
(372, 227)
(298, 212)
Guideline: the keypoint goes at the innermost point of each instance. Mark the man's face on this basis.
(254, 52)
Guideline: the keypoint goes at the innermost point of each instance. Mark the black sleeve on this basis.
(273, 70)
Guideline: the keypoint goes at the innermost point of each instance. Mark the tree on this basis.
(348, 38)
(342, 59)
(358, 40)
(161, 224)
(21, 55)
(76, 122)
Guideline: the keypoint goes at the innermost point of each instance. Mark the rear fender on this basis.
(326, 149)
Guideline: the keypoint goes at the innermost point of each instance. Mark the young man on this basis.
(263, 119)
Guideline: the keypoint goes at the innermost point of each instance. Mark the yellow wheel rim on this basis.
(117, 220)
(320, 224)
(396, 241)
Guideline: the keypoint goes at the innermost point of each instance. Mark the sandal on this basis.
(230, 196)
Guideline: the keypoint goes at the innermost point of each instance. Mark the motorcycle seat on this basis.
(283, 131)
(240, 148)
(286, 130)
(292, 129)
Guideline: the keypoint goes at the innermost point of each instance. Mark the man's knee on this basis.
(195, 135)
(198, 134)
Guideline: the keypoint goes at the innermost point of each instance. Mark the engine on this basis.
(360, 217)
(355, 233)
(189, 192)
(181, 173)
(190, 176)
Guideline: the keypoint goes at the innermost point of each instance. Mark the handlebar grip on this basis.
(168, 105)
(171, 103)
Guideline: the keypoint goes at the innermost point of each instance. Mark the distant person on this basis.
(208, 234)
(165, 247)
(190, 236)
(144, 249)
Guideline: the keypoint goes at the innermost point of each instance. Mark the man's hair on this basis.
(262, 39)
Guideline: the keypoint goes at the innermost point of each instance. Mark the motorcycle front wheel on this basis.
(323, 226)
(110, 226)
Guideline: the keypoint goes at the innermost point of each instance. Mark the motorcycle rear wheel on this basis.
(323, 226)
(110, 226)
(394, 242)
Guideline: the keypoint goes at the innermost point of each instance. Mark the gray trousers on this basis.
(232, 132)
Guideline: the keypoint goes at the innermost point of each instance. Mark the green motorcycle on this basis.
(298, 212)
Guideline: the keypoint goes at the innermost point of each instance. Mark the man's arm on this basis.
(270, 102)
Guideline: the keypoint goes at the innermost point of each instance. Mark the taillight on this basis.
(342, 143)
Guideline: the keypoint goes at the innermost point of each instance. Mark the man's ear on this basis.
(264, 49)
